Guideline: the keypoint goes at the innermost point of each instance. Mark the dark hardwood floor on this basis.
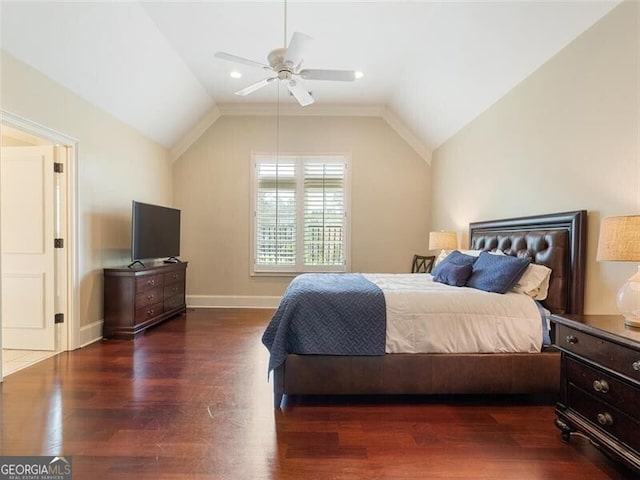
(190, 400)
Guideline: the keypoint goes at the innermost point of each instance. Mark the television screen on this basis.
(155, 231)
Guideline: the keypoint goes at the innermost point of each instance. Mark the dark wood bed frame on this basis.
(555, 240)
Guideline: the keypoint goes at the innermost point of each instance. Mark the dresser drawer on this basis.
(603, 386)
(174, 277)
(605, 417)
(149, 282)
(174, 302)
(145, 313)
(623, 360)
(149, 297)
(173, 289)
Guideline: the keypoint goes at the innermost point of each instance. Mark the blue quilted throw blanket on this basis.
(327, 314)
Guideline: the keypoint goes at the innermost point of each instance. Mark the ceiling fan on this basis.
(286, 64)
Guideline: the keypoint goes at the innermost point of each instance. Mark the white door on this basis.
(27, 240)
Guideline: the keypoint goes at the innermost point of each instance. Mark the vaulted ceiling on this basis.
(433, 65)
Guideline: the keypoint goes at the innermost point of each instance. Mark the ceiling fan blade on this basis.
(337, 75)
(242, 60)
(296, 49)
(255, 86)
(299, 91)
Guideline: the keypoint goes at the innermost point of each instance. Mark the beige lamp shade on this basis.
(443, 240)
(620, 242)
(620, 239)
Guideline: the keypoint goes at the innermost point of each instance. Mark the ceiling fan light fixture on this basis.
(235, 74)
(359, 74)
(285, 63)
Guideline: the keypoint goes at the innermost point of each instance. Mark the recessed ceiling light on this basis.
(235, 74)
(359, 74)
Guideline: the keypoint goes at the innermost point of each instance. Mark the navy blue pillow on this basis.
(455, 257)
(496, 273)
(452, 274)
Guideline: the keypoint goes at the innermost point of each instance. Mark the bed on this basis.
(557, 241)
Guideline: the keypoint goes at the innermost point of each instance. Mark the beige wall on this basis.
(115, 165)
(566, 138)
(390, 197)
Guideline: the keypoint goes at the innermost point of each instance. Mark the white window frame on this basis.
(299, 267)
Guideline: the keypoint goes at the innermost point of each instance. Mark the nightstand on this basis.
(600, 383)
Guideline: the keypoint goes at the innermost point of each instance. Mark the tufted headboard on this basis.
(557, 241)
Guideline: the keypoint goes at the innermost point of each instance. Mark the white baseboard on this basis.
(91, 333)
(231, 301)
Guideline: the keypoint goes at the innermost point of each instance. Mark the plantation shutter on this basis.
(324, 213)
(276, 213)
(300, 219)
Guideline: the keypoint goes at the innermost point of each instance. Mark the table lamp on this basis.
(620, 242)
(443, 241)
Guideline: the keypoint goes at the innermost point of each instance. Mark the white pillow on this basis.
(534, 282)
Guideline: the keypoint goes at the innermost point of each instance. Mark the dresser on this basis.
(138, 298)
(600, 383)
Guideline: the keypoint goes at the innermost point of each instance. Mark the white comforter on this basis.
(424, 316)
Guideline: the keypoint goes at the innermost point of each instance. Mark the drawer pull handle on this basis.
(150, 312)
(151, 282)
(572, 339)
(150, 297)
(605, 419)
(636, 365)
(601, 386)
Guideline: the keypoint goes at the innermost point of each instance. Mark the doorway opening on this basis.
(38, 299)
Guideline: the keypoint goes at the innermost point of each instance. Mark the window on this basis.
(300, 213)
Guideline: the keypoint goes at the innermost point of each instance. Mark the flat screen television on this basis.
(155, 232)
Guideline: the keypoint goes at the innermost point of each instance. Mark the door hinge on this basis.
(58, 167)
(58, 243)
(58, 318)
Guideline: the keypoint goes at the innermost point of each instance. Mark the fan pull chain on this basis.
(285, 24)
(277, 167)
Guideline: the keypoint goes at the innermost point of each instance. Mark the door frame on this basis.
(70, 338)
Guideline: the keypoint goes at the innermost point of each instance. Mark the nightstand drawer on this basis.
(605, 387)
(605, 417)
(616, 357)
